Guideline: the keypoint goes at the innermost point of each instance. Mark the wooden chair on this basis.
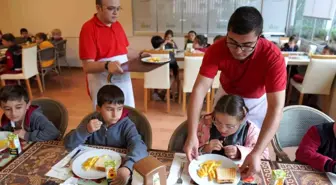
(55, 111)
(318, 78)
(215, 85)
(158, 78)
(29, 69)
(295, 122)
(192, 64)
(177, 140)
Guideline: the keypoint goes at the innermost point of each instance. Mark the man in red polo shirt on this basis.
(252, 68)
(103, 48)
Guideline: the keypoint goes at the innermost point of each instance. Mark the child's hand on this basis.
(123, 176)
(93, 125)
(231, 151)
(21, 133)
(214, 144)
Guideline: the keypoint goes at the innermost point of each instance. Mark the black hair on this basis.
(217, 38)
(292, 38)
(99, 2)
(244, 20)
(192, 31)
(23, 30)
(42, 36)
(262, 36)
(13, 93)
(169, 32)
(8, 37)
(202, 40)
(110, 94)
(331, 49)
(157, 41)
(232, 105)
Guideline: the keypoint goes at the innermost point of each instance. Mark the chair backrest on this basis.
(29, 61)
(143, 126)
(319, 75)
(295, 122)
(177, 140)
(283, 40)
(158, 78)
(312, 49)
(47, 54)
(61, 47)
(55, 111)
(192, 66)
(216, 82)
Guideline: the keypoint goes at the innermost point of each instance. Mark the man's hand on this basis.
(231, 151)
(93, 125)
(144, 54)
(114, 67)
(214, 144)
(251, 165)
(123, 176)
(191, 147)
(21, 133)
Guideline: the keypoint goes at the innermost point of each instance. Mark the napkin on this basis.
(175, 168)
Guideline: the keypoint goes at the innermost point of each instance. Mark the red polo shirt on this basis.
(263, 72)
(98, 41)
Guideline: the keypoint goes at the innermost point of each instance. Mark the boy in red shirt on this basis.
(13, 61)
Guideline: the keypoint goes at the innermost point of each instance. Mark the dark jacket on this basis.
(287, 48)
(36, 125)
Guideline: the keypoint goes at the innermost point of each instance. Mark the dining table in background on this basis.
(32, 165)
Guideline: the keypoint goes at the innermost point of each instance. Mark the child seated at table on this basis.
(200, 43)
(43, 43)
(22, 118)
(291, 45)
(227, 131)
(328, 51)
(317, 148)
(56, 35)
(12, 63)
(110, 126)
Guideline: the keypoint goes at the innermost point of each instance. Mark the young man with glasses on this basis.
(252, 68)
(103, 47)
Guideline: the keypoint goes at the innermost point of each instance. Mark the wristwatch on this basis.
(106, 65)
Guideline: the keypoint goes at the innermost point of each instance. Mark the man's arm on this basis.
(272, 120)
(132, 54)
(90, 66)
(199, 91)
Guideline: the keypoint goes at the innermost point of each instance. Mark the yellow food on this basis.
(89, 163)
(154, 59)
(208, 169)
(3, 143)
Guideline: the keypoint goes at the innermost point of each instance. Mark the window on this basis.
(203, 16)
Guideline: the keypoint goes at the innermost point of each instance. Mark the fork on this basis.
(179, 180)
(67, 165)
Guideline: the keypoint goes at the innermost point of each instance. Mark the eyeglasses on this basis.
(222, 125)
(243, 48)
(113, 8)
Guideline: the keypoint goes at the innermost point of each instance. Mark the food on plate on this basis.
(226, 175)
(89, 163)
(154, 59)
(104, 161)
(208, 169)
(111, 171)
(3, 143)
(278, 177)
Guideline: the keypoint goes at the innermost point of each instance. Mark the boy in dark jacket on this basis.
(13, 61)
(25, 120)
(318, 148)
(110, 126)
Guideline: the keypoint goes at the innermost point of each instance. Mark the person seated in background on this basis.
(157, 43)
(25, 35)
(291, 45)
(24, 119)
(200, 43)
(56, 35)
(110, 126)
(191, 37)
(317, 148)
(169, 42)
(217, 38)
(328, 51)
(43, 43)
(227, 132)
(12, 63)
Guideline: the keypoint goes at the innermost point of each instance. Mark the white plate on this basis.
(162, 60)
(3, 136)
(226, 163)
(92, 173)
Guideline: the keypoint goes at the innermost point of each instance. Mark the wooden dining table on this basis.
(32, 165)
